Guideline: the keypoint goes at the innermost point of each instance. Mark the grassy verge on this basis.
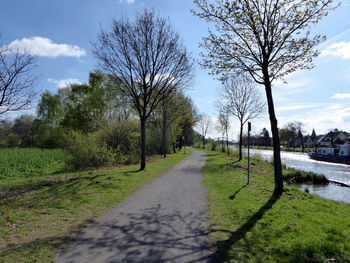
(39, 214)
(247, 224)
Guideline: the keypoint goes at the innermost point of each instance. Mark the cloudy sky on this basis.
(61, 33)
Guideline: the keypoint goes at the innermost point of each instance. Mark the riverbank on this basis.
(39, 214)
(283, 148)
(247, 224)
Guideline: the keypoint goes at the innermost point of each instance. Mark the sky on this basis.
(61, 32)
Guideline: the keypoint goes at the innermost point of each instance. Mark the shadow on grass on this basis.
(29, 186)
(223, 247)
(129, 173)
(234, 194)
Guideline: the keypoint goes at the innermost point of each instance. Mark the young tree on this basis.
(17, 81)
(204, 126)
(266, 38)
(223, 126)
(241, 99)
(149, 61)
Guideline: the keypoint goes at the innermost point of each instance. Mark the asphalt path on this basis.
(164, 221)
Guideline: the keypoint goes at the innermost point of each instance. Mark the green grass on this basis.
(38, 214)
(247, 224)
(29, 162)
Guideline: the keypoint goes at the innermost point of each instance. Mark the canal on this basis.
(338, 172)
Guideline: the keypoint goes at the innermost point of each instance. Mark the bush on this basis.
(213, 146)
(124, 137)
(198, 145)
(88, 151)
(298, 176)
(13, 140)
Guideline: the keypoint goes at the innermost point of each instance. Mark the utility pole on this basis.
(249, 129)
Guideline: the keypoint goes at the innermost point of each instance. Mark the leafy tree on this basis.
(50, 110)
(149, 61)
(241, 99)
(5, 129)
(24, 129)
(267, 39)
(84, 104)
(292, 131)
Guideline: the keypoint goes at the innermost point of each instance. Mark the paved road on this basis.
(165, 221)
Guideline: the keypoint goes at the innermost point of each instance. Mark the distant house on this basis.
(333, 138)
(311, 140)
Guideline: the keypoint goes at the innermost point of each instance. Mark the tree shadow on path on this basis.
(150, 235)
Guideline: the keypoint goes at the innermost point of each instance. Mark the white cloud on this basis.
(296, 107)
(64, 83)
(128, 1)
(338, 49)
(341, 96)
(45, 47)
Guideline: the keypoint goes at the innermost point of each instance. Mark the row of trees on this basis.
(145, 69)
(96, 106)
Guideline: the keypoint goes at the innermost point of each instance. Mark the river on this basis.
(338, 172)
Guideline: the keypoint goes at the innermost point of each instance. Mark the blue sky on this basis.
(61, 32)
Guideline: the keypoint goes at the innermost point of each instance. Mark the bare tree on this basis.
(266, 38)
(149, 61)
(241, 98)
(17, 81)
(204, 125)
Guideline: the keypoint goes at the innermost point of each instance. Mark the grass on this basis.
(39, 214)
(247, 224)
(29, 162)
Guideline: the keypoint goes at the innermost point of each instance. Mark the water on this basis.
(334, 171)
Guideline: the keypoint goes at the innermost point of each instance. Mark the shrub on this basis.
(213, 146)
(198, 145)
(13, 140)
(88, 151)
(123, 136)
(298, 176)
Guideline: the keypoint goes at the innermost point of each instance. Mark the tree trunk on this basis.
(203, 142)
(164, 139)
(222, 143)
(172, 139)
(275, 136)
(143, 143)
(228, 150)
(240, 142)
